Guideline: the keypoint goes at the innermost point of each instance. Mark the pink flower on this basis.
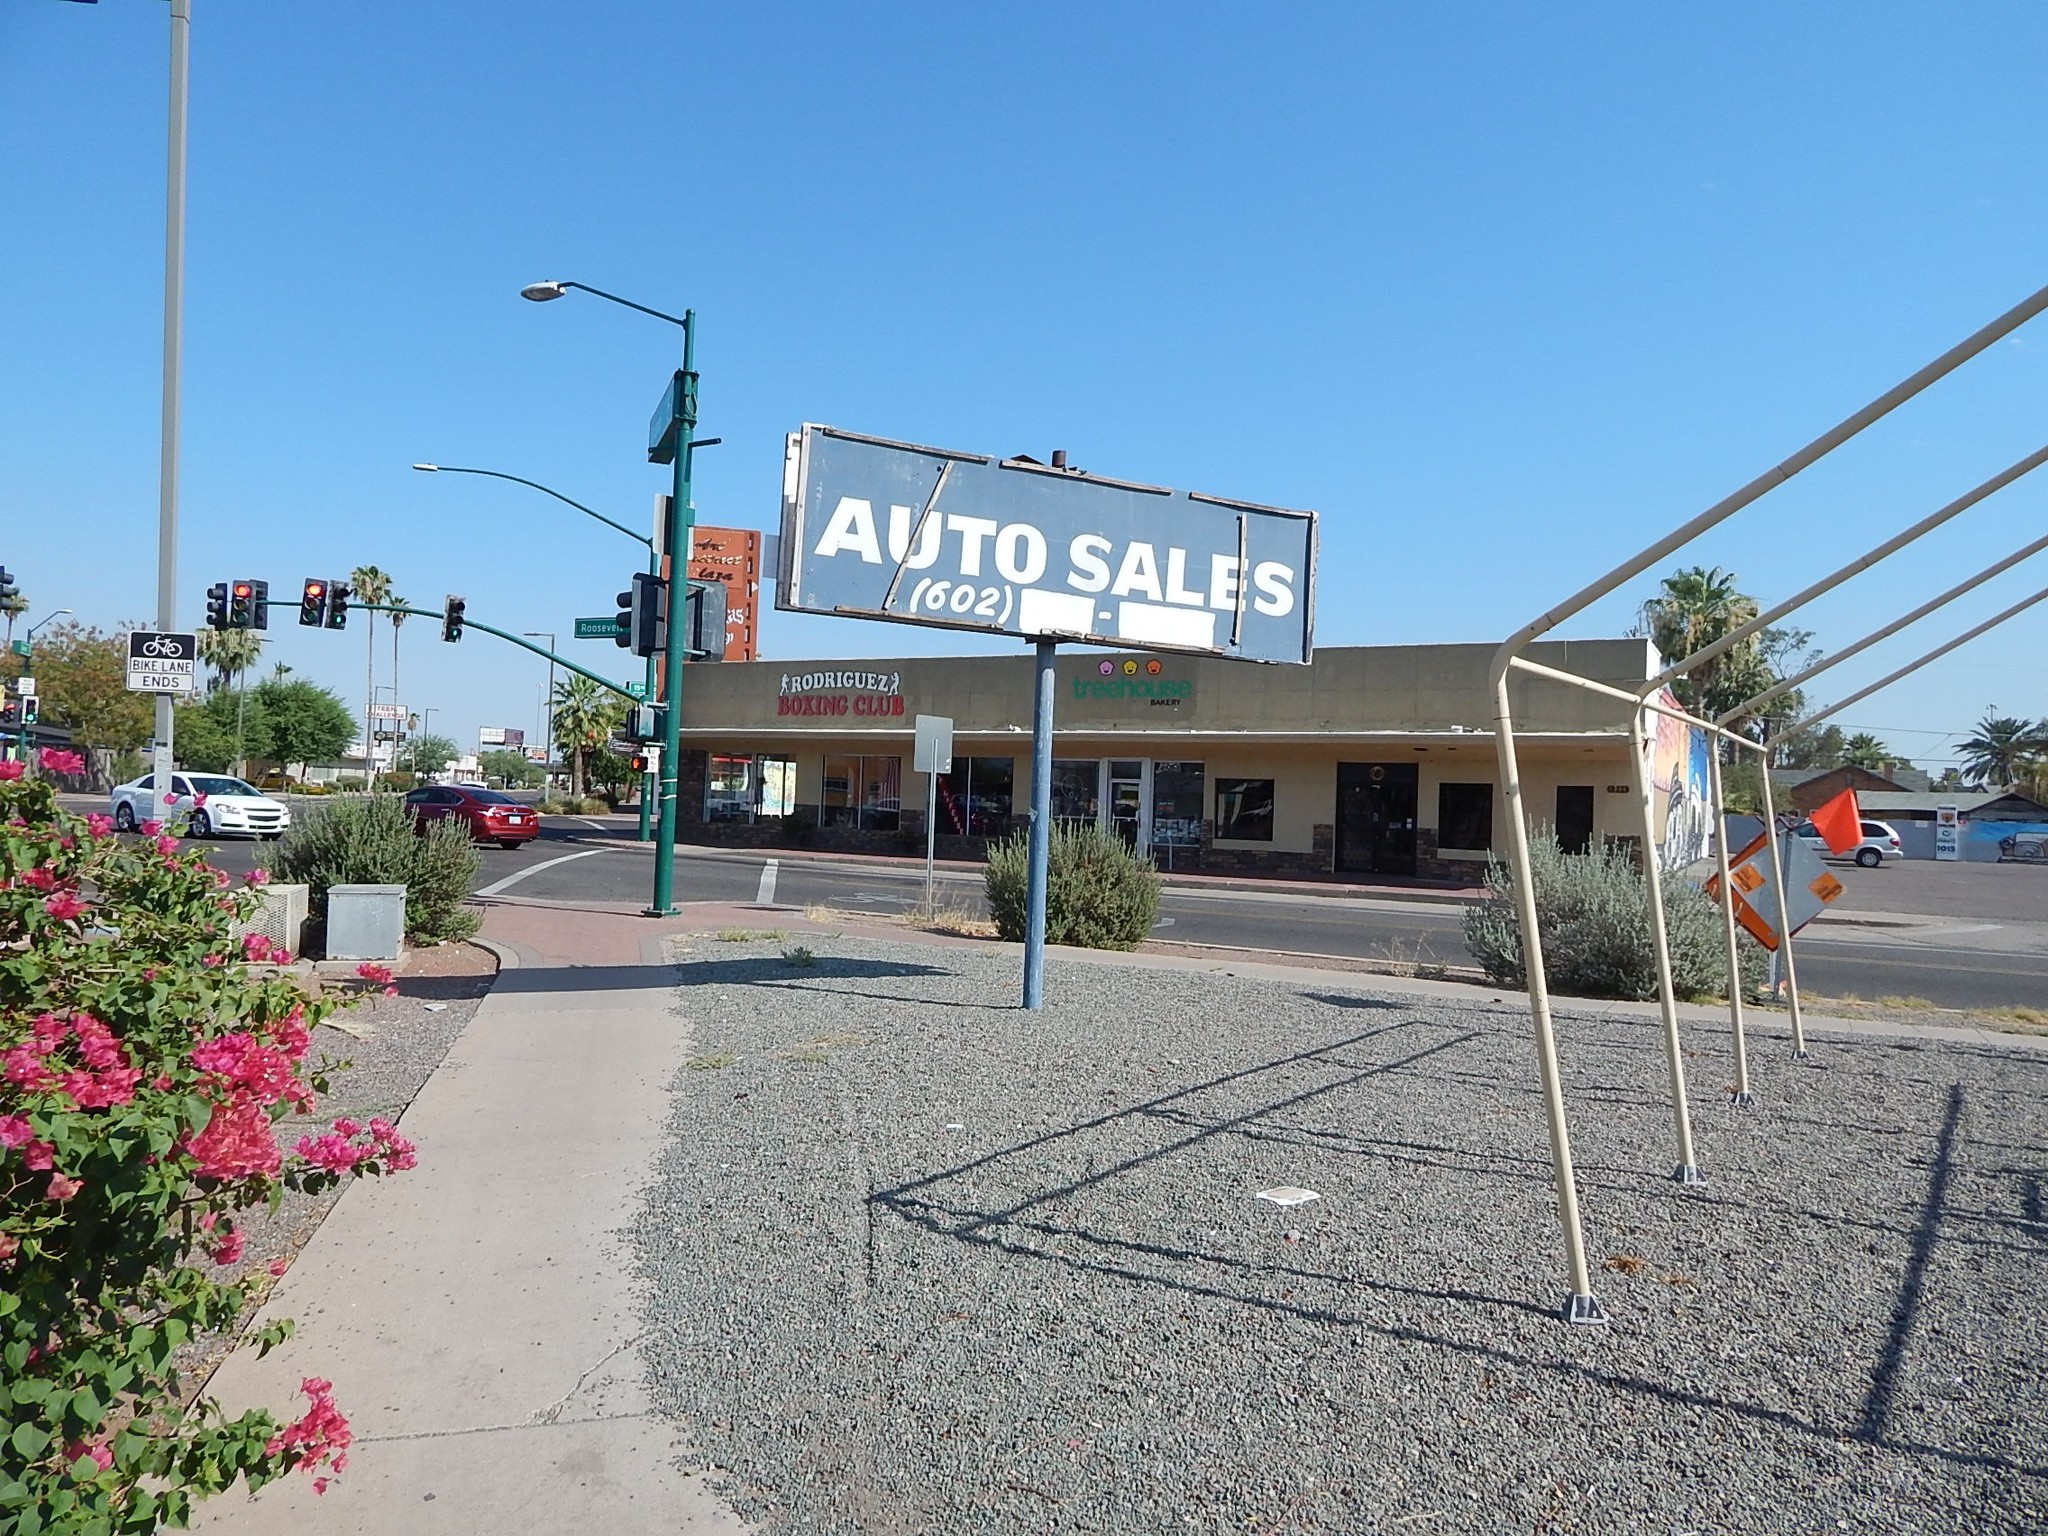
(95, 1452)
(258, 877)
(236, 1143)
(64, 906)
(63, 1188)
(9, 1244)
(255, 947)
(322, 1437)
(9, 771)
(370, 971)
(97, 825)
(14, 1132)
(57, 760)
(38, 879)
(277, 1267)
(152, 828)
(199, 799)
(211, 960)
(38, 1156)
(165, 845)
(262, 1071)
(227, 1249)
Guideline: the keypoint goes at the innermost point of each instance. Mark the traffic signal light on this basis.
(451, 617)
(217, 606)
(705, 608)
(643, 615)
(10, 712)
(247, 602)
(8, 590)
(337, 605)
(313, 603)
(29, 713)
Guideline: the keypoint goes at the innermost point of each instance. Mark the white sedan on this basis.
(211, 803)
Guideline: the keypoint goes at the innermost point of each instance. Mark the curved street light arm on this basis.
(498, 474)
(659, 315)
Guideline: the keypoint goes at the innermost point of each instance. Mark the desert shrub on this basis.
(372, 840)
(146, 1075)
(1099, 894)
(1593, 912)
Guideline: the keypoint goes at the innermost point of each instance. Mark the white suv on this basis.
(212, 803)
(1879, 843)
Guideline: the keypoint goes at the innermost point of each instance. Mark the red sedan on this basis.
(492, 817)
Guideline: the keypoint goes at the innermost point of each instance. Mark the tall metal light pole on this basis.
(163, 760)
(535, 634)
(653, 569)
(681, 403)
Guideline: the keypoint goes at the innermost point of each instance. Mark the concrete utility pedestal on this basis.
(365, 922)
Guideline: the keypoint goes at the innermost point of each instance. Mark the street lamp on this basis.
(681, 405)
(535, 634)
(30, 637)
(653, 569)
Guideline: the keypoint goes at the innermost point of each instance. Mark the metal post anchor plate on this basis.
(1585, 1310)
(1688, 1173)
(1742, 1100)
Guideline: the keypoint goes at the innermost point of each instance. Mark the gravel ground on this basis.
(918, 1262)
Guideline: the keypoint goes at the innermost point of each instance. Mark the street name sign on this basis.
(162, 663)
(875, 529)
(603, 627)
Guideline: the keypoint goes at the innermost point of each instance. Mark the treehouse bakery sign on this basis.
(862, 695)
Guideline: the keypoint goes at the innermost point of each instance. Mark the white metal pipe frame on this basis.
(1581, 1305)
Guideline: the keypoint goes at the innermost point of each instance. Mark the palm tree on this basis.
(1864, 750)
(13, 606)
(584, 716)
(231, 653)
(370, 585)
(1695, 607)
(2002, 749)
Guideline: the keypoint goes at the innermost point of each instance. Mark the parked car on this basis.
(1879, 843)
(492, 817)
(213, 803)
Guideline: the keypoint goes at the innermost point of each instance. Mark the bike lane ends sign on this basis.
(162, 663)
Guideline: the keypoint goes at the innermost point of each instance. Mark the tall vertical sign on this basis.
(1948, 832)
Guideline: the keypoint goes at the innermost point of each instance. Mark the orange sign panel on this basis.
(731, 556)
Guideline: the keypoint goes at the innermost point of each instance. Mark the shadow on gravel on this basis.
(778, 972)
(1340, 1000)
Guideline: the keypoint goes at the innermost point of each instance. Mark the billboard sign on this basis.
(873, 529)
(731, 557)
(1948, 832)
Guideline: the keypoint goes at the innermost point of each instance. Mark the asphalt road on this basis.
(1960, 963)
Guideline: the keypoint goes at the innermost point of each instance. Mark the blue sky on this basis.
(1502, 291)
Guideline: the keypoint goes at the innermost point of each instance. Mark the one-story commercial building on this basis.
(1372, 762)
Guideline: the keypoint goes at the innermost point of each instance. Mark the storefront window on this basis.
(1244, 810)
(974, 799)
(1077, 791)
(863, 792)
(1176, 805)
(749, 788)
(1464, 816)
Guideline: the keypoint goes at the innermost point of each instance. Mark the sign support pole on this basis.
(1743, 1097)
(163, 760)
(1040, 842)
(1688, 1171)
(676, 543)
(1784, 948)
(931, 838)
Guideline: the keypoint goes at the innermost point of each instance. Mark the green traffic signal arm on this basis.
(538, 650)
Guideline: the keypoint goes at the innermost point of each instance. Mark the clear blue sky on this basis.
(1502, 291)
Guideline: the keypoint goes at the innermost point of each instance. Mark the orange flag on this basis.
(1839, 823)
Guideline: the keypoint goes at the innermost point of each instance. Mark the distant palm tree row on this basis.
(1698, 605)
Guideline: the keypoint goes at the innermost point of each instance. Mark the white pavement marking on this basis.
(766, 893)
(497, 886)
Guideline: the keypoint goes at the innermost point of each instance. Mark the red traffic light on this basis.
(242, 589)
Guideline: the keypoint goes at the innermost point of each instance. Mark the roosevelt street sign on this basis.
(162, 663)
(874, 529)
(603, 627)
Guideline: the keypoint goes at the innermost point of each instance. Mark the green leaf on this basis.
(29, 1440)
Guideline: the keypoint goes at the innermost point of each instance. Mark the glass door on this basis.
(1128, 802)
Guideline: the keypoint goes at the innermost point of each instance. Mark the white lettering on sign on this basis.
(1021, 556)
(823, 682)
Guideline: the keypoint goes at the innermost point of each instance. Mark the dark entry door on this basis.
(1575, 818)
(1376, 818)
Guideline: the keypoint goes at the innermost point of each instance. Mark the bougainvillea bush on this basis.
(150, 1078)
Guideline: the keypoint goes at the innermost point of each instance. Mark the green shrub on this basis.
(371, 840)
(1098, 893)
(1593, 910)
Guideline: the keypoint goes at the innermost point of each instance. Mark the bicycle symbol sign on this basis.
(162, 663)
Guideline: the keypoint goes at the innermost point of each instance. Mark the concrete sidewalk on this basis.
(477, 1315)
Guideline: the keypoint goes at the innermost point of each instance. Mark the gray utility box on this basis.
(281, 918)
(365, 922)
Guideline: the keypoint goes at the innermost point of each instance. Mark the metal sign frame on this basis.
(1581, 1305)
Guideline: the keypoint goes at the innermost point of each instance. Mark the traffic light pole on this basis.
(676, 541)
(650, 783)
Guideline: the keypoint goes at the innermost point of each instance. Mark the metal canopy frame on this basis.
(1581, 1305)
